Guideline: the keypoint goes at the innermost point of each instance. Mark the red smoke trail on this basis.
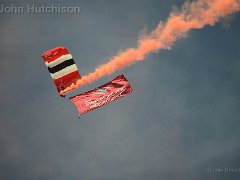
(193, 15)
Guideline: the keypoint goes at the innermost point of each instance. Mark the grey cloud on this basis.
(182, 118)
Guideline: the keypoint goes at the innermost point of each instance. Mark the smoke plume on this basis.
(192, 15)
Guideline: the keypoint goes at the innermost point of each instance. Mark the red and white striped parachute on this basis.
(62, 67)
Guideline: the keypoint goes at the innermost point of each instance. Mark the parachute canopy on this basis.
(111, 91)
(62, 67)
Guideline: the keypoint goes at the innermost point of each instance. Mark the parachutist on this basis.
(62, 95)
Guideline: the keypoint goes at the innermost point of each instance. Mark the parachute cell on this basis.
(62, 67)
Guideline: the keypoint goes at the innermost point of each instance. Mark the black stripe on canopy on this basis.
(61, 66)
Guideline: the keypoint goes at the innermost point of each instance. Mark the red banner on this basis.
(115, 89)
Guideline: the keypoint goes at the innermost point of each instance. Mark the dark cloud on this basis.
(182, 118)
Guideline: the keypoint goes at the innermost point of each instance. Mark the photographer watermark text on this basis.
(40, 9)
(223, 170)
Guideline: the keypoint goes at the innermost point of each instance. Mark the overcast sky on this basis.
(181, 119)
